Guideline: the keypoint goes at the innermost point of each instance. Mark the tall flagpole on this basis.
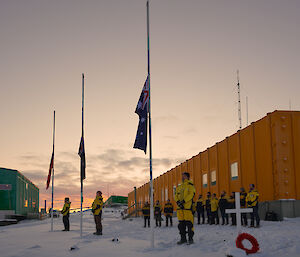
(81, 179)
(53, 172)
(150, 135)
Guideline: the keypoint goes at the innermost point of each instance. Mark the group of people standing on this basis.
(184, 199)
(211, 206)
(168, 212)
(208, 207)
(96, 210)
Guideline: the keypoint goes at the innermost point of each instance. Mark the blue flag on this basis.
(142, 109)
(81, 153)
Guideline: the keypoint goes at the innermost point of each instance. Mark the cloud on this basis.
(115, 168)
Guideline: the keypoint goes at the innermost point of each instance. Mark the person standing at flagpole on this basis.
(51, 172)
(97, 212)
(66, 214)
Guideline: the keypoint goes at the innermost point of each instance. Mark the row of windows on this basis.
(234, 172)
(213, 180)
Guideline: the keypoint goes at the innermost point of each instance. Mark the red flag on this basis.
(50, 170)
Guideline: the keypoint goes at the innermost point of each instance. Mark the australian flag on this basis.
(81, 153)
(142, 109)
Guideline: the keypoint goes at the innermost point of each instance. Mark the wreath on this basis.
(239, 243)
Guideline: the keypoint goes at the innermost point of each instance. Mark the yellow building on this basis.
(266, 153)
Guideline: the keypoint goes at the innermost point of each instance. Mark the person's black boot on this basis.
(182, 241)
(191, 241)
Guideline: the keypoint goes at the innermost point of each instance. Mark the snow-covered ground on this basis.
(33, 238)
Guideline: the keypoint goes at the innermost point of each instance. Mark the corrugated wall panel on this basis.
(204, 170)
(213, 167)
(296, 146)
(247, 157)
(234, 157)
(282, 140)
(197, 174)
(223, 167)
(263, 156)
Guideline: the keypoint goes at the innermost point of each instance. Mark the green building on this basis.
(18, 195)
(116, 200)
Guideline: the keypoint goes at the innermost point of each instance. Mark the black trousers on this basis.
(158, 221)
(66, 222)
(200, 213)
(233, 219)
(169, 217)
(186, 227)
(98, 222)
(146, 221)
(214, 217)
(208, 214)
(224, 216)
(244, 219)
(254, 215)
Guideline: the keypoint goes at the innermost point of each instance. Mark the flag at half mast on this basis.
(142, 110)
(50, 170)
(81, 153)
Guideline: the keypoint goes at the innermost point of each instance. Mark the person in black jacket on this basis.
(168, 210)
(200, 209)
(208, 207)
(146, 213)
(231, 205)
(223, 205)
(157, 213)
(243, 196)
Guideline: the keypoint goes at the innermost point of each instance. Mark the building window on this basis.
(234, 171)
(162, 194)
(204, 180)
(174, 191)
(213, 178)
(166, 194)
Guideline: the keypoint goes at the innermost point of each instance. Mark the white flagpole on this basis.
(150, 135)
(81, 179)
(53, 172)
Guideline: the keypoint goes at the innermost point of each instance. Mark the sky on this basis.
(196, 48)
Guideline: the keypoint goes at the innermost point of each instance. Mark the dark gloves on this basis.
(93, 211)
(249, 202)
(181, 204)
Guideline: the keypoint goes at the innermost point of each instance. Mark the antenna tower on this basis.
(239, 99)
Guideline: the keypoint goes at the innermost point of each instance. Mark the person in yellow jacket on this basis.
(97, 211)
(252, 202)
(184, 198)
(168, 210)
(66, 214)
(214, 205)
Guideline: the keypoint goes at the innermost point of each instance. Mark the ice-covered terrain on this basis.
(33, 238)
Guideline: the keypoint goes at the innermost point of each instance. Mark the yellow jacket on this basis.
(214, 204)
(66, 209)
(252, 198)
(97, 205)
(185, 192)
